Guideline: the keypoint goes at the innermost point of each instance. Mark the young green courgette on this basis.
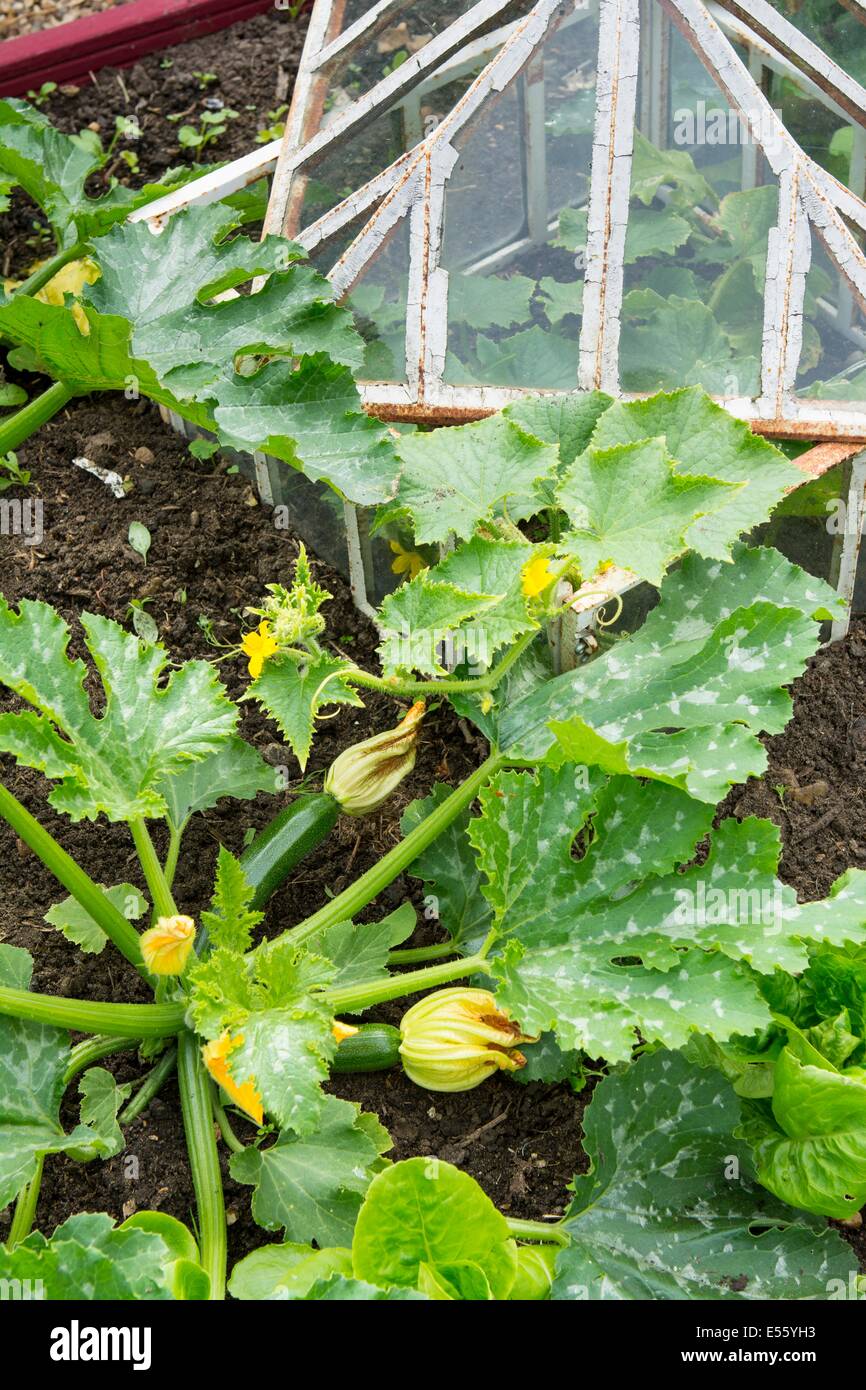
(374, 1047)
(291, 835)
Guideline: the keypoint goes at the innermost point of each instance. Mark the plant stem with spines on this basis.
(84, 1054)
(25, 1207)
(163, 902)
(150, 1086)
(195, 1096)
(90, 1016)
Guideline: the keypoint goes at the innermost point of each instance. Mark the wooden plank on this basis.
(113, 38)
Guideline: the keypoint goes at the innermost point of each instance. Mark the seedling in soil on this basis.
(211, 125)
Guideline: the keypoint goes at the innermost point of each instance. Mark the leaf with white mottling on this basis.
(659, 1216)
(150, 728)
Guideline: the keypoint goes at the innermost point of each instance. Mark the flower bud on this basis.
(166, 947)
(454, 1039)
(244, 1093)
(342, 1031)
(365, 775)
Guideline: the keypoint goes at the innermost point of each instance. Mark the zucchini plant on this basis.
(573, 900)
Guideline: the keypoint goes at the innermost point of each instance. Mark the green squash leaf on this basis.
(454, 479)
(87, 1258)
(78, 926)
(293, 695)
(669, 1211)
(148, 730)
(312, 1187)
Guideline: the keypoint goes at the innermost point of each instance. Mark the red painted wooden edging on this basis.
(113, 38)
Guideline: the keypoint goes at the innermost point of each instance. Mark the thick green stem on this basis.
(87, 1016)
(393, 685)
(46, 273)
(353, 998)
(84, 1054)
(163, 902)
(537, 1231)
(195, 1096)
(85, 892)
(25, 1207)
(14, 429)
(150, 1086)
(350, 902)
(413, 955)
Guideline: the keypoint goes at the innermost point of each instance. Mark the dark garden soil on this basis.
(213, 549)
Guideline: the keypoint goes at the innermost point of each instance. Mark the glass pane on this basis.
(379, 304)
(409, 31)
(516, 287)
(833, 27)
(702, 203)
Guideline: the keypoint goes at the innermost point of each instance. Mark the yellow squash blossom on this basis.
(407, 561)
(70, 279)
(166, 947)
(258, 646)
(365, 774)
(244, 1095)
(535, 576)
(454, 1039)
(342, 1031)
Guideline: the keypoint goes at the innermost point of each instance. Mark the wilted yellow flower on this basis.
(258, 646)
(365, 775)
(535, 576)
(342, 1031)
(407, 561)
(244, 1095)
(70, 279)
(166, 947)
(454, 1039)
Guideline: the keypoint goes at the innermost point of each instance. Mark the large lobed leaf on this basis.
(312, 1186)
(669, 1209)
(53, 169)
(33, 1060)
(624, 940)
(150, 728)
(685, 697)
(88, 1258)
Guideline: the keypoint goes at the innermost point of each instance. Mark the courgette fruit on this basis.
(375, 1047)
(291, 835)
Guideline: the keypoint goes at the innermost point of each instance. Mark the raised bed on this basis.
(71, 53)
